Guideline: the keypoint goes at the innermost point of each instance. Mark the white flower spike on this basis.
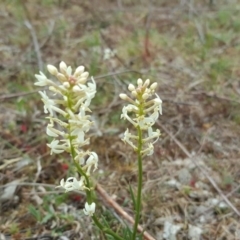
(67, 109)
(142, 112)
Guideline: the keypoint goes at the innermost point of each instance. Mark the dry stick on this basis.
(119, 210)
(200, 31)
(117, 73)
(50, 31)
(179, 103)
(35, 44)
(29, 184)
(213, 95)
(147, 30)
(40, 185)
(28, 24)
(180, 145)
(15, 95)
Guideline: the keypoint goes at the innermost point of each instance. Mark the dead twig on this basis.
(116, 73)
(28, 24)
(35, 44)
(200, 31)
(15, 95)
(206, 174)
(213, 95)
(119, 210)
(30, 184)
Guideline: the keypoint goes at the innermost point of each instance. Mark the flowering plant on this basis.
(145, 113)
(69, 121)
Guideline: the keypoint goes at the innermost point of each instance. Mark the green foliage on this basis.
(35, 213)
(236, 25)
(224, 18)
(133, 197)
(218, 69)
(186, 190)
(13, 229)
(228, 180)
(91, 40)
(48, 3)
(126, 233)
(94, 64)
(60, 198)
(45, 212)
(21, 105)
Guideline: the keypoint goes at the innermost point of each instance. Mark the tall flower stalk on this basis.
(142, 112)
(67, 107)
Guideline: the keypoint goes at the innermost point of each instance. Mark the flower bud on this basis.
(79, 70)
(76, 89)
(146, 84)
(66, 84)
(53, 70)
(134, 93)
(82, 80)
(153, 86)
(63, 67)
(123, 96)
(145, 96)
(139, 82)
(85, 75)
(131, 87)
(61, 77)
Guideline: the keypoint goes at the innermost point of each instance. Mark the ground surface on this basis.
(191, 48)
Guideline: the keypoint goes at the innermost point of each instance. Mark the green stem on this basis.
(139, 190)
(106, 230)
(88, 184)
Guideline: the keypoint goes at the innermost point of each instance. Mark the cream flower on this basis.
(52, 132)
(92, 161)
(89, 209)
(72, 184)
(49, 104)
(42, 80)
(127, 137)
(56, 147)
(80, 158)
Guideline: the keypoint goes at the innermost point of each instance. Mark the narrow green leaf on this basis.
(47, 218)
(133, 197)
(36, 213)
